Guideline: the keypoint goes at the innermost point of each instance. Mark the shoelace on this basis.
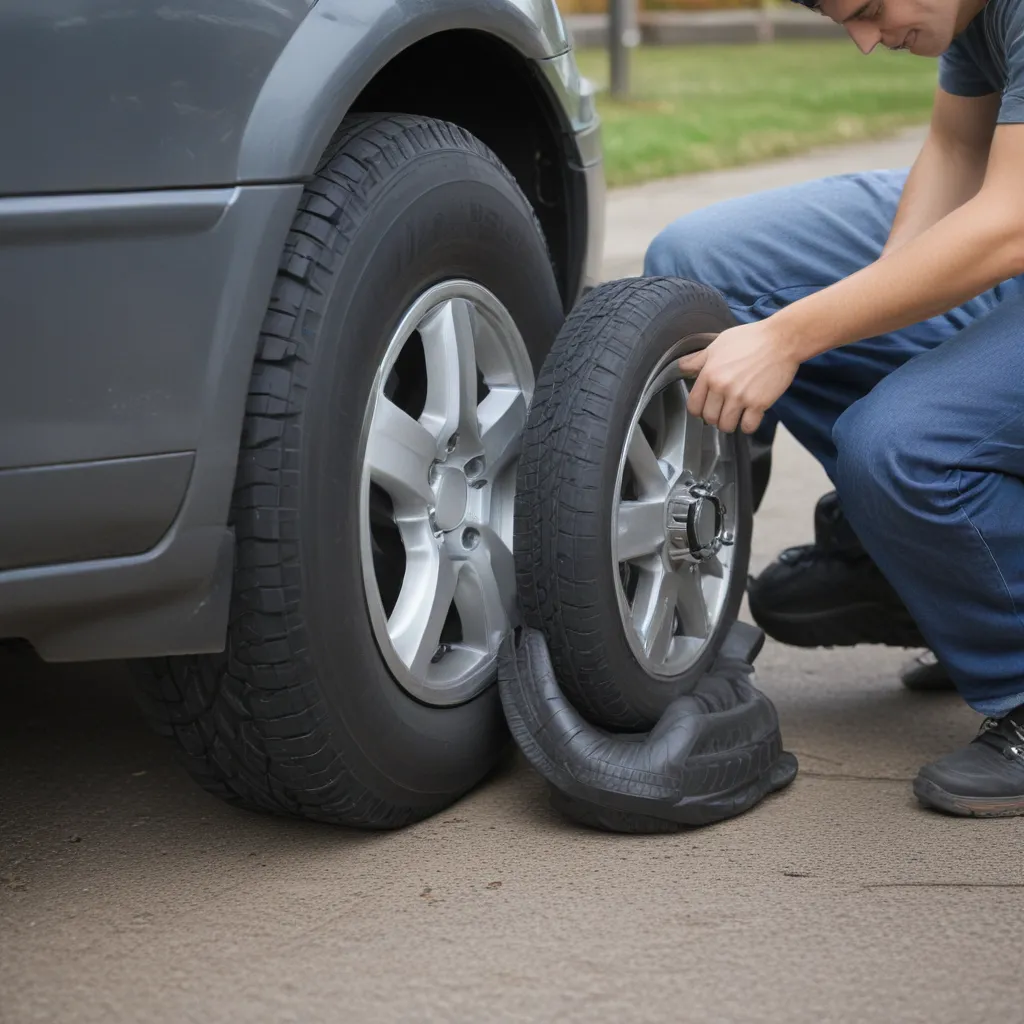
(1008, 736)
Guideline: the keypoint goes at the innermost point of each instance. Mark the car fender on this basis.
(338, 49)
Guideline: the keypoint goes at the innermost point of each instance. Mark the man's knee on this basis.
(887, 465)
(676, 251)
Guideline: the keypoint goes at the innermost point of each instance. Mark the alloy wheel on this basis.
(441, 439)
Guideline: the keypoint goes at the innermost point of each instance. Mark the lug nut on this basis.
(452, 442)
(475, 466)
(470, 538)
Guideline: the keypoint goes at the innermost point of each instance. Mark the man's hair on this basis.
(812, 4)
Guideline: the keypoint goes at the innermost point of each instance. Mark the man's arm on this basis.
(950, 168)
(975, 247)
(978, 245)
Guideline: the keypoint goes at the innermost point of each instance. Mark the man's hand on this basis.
(740, 375)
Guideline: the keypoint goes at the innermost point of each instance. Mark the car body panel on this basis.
(168, 360)
(140, 235)
(89, 510)
(108, 95)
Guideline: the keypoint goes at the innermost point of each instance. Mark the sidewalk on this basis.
(636, 214)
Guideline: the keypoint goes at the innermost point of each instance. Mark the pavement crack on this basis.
(943, 885)
(817, 757)
(849, 777)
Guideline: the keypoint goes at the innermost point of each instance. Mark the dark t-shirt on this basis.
(988, 56)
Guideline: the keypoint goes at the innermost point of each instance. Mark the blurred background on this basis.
(708, 84)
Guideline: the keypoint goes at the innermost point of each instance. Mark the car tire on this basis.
(620, 340)
(302, 713)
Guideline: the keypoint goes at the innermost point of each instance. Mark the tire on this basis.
(301, 714)
(569, 473)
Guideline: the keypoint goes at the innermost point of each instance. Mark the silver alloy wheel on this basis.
(441, 441)
(673, 525)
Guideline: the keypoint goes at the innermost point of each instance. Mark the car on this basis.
(277, 280)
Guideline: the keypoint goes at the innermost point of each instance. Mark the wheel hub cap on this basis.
(694, 524)
(451, 497)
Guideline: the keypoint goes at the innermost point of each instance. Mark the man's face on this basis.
(924, 27)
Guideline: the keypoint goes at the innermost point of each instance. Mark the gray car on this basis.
(276, 280)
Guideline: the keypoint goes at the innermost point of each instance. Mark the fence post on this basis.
(622, 37)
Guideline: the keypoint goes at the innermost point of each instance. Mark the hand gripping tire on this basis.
(714, 754)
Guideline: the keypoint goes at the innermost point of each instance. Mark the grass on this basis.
(700, 108)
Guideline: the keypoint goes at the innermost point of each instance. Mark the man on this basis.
(881, 321)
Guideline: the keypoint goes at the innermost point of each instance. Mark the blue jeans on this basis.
(921, 431)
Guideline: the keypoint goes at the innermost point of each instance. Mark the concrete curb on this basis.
(675, 28)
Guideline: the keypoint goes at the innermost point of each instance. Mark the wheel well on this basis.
(483, 85)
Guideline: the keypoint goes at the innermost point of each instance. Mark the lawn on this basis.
(699, 108)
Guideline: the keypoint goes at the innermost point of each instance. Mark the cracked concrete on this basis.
(126, 894)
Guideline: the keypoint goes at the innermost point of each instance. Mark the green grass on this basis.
(700, 108)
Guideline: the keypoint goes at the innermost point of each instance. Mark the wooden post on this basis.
(622, 37)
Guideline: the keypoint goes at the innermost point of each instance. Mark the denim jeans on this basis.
(921, 431)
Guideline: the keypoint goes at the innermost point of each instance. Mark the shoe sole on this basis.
(849, 626)
(930, 794)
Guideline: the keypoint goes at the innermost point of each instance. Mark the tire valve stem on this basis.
(442, 650)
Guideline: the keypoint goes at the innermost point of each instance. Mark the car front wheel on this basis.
(373, 506)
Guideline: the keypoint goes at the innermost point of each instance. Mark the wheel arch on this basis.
(336, 53)
(386, 59)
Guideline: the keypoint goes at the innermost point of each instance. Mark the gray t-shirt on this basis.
(988, 56)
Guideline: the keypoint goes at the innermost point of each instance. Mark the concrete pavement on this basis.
(126, 894)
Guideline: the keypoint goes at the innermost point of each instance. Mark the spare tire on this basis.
(633, 518)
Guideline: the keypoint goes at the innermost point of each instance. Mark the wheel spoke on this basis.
(712, 454)
(653, 612)
(640, 529)
(650, 480)
(486, 592)
(675, 423)
(422, 606)
(653, 417)
(502, 419)
(399, 453)
(713, 567)
(693, 446)
(450, 353)
(692, 605)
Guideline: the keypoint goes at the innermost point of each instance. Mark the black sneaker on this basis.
(924, 673)
(830, 593)
(985, 779)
